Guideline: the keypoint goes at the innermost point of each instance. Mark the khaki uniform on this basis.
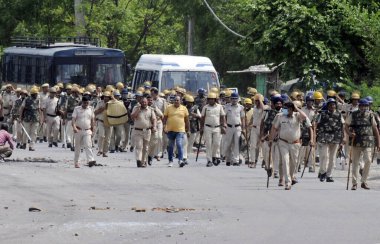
(14, 119)
(276, 160)
(255, 122)
(82, 119)
(30, 119)
(212, 132)
(142, 133)
(305, 148)
(289, 133)
(42, 129)
(234, 116)
(161, 104)
(52, 119)
(154, 147)
(99, 119)
(194, 129)
(362, 124)
(69, 105)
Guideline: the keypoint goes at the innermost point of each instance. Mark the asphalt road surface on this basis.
(119, 203)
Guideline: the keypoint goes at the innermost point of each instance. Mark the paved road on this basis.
(205, 205)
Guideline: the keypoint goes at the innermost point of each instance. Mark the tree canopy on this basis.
(338, 41)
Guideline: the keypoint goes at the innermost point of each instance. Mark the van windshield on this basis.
(190, 80)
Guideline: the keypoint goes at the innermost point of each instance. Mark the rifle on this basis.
(246, 134)
(349, 163)
(307, 160)
(269, 170)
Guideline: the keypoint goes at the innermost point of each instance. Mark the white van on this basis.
(169, 71)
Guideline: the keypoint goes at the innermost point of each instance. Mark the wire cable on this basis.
(221, 22)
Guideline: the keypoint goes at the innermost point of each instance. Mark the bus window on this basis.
(108, 74)
(190, 80)
(70, 73)
(145, 75)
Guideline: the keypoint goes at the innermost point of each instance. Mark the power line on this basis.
(221, 22)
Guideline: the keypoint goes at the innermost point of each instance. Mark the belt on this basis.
(83, 129)
(143, 129)
(51, 115)
(216, 126)
(233, 125)
(294, 142)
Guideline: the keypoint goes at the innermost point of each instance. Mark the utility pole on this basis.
(79, 18)
(190, 32)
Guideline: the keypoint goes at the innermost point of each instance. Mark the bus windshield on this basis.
(108, 74)
(190, 80)
(71, 73)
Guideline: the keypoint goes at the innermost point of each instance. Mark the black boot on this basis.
(150, 160)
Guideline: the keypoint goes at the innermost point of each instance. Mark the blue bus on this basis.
(37, 62)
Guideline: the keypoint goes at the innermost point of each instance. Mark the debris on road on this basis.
(34, 209)
(95, 208)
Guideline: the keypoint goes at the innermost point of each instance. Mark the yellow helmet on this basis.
(147, 92)
(294, 95)
(214, 90)
(259, 97)
(228, 93)
(166, 92)
(247, 101)
(161, 94)
(298, 104)
(120, 85)
(141, 89)
(147, 83)
(252, 91)
(69, 87)
(212, 95)
(355, 95)
(189, 98)
(34, 90)
(317, 95)
(173, 92)
(45, 85)
(181, 90)
(107, 94)
(331, 93)
(274, 92)
(60, 85)
(81, 90)
(18, 89)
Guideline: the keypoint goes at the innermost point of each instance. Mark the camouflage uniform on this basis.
(69, 104)
(30, 118)
(329, 136)
(14, 119)
(362, 125)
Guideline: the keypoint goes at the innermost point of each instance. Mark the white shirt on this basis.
(82, 117)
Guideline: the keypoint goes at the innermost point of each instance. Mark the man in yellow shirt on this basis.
(176, 124)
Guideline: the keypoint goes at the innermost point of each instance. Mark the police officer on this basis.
(51, 117)
(266, 126)
(287, 125)
(307, 150)
(235, 119)
(329, 135)
(255, 128)
(200, 99)
(213, 126)
(7, 99)
(126, 98)
(194, 119)
(144, 124)
(15, 117)
(161, 104)
(99, 119)
(30, 116)
(73, 100)
(42, 96)
(153, 144)
(361, 126)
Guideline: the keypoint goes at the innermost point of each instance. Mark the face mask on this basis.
(285, 111)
